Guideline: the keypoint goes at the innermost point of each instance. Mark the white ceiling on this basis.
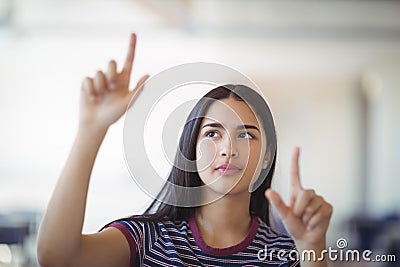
(251, 18)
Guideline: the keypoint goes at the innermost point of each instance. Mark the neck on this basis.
(228, 214)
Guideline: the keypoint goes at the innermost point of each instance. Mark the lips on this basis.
(228, 169)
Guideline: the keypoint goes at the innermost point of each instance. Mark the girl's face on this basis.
(230, 150)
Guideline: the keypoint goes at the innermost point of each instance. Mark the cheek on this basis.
(244, 149)
(205, 154)
(255, 164)
(252, 157)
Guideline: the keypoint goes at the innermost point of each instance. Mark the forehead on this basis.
(230, 112)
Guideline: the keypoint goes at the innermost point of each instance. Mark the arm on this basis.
(306, 218)
(104, 100)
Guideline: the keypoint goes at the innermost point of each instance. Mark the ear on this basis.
(267, 157)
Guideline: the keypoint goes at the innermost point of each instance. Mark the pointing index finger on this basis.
(294, 173)
(131, 54)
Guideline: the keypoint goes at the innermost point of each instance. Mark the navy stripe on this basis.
(174, 244)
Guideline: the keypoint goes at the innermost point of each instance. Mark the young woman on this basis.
(230, 135)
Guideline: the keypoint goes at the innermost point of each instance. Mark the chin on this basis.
(228, 189)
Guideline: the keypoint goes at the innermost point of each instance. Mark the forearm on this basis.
(61, 228)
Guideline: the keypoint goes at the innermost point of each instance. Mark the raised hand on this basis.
(105, 98)
(308, 214)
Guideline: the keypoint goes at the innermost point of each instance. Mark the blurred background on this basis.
(330, 71)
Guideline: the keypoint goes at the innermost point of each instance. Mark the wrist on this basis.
(312, 254)
(314, 244)
(317, 248)
(92, 129)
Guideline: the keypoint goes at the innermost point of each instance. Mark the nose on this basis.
(228, 148)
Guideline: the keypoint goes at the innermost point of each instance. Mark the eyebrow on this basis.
(219, 125)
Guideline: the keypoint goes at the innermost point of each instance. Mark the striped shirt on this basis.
(170, 243)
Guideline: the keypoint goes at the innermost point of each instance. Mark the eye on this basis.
(211, 134)
(246, 135)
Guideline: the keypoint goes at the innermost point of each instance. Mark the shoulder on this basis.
(142, 235)
(150, 230)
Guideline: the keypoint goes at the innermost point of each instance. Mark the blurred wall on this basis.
(332, 85)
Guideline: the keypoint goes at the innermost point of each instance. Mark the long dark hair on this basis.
(259, 205)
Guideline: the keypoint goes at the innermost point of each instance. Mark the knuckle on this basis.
(310, 193)
(330, 208)
(318, 216)
(309, 209)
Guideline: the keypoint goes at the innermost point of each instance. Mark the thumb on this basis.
(136, 91)
(278, 203)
